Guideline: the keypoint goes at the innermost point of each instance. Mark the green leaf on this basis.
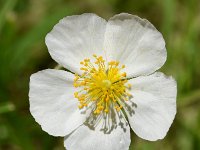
(8, 6)
(6, 107)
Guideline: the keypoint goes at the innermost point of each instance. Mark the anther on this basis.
(101, 85)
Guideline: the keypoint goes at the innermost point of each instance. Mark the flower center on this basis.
(103, 86)
(106, 83)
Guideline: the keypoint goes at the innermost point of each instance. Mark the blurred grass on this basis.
(23, 26)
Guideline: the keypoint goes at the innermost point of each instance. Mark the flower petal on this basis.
(75, 38)
(52, 103)
(136, 43)
(154, 105)
(85, 138)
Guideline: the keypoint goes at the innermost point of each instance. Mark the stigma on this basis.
(103, 85)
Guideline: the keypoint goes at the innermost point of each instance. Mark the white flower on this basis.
(114, 84)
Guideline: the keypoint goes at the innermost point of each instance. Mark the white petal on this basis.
(75, 38)
(136, 43)
(52, 103)
(85, 138)
(154, 105)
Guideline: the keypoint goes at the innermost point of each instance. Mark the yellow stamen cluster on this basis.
(102, 86)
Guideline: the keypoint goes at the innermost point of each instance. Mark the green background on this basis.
(23, 26)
